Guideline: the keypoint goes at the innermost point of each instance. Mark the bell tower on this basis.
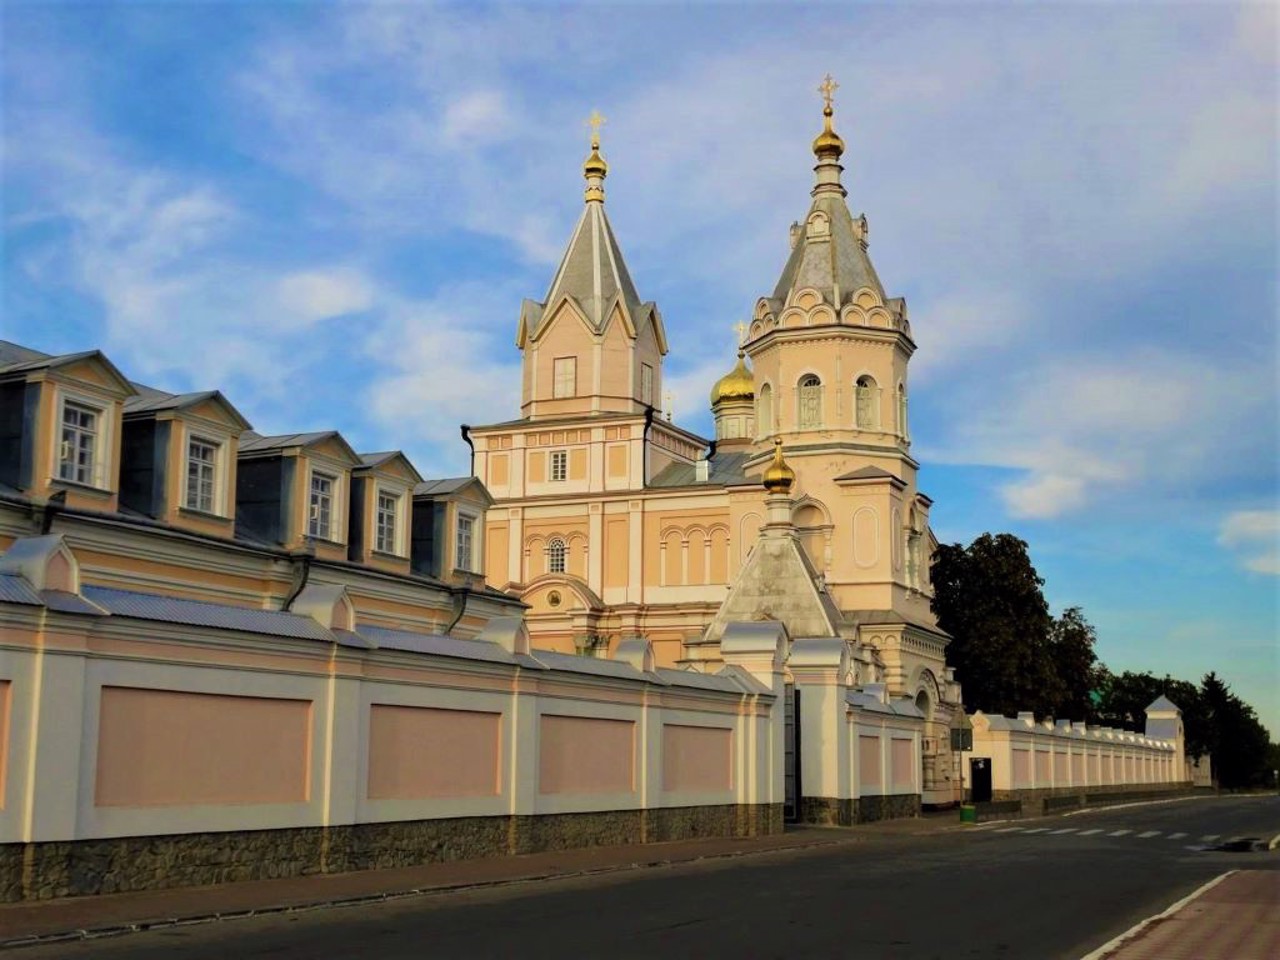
(591, 346)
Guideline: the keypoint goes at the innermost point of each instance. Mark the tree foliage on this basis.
(1011, 655)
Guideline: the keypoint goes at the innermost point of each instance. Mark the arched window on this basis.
(902, 412)
(810, 403)
(764, 412)
(556, 553)
(868, 400)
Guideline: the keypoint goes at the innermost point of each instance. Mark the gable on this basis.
(97, 371)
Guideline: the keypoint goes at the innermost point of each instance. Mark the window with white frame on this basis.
(386, 523)
(557, 553)
(566, 377)
(80, 449)
(810, 403)
(646, 384)
(464, 554)
(321, 516)
(202, 474)
(559, 465)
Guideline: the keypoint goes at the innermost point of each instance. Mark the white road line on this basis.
(1090, 833)
(1176, 836)
(1009, 830)
(1149, 834)
(1038, 830)
(1140, 803)
(1054, 833)
(1209, 836)
(1111, 946)
(1119, 833)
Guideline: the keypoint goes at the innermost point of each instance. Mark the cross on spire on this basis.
(742, 332)
(595, 122)
(828, 90)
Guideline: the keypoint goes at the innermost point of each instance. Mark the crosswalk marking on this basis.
(1009, 830)
(1038, 830)
(1054, 833)
(1176, 836)
(1090, 833)
(1119, 833)
(1209, 836)
(1149, 834)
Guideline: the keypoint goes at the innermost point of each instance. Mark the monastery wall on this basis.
(149, 742)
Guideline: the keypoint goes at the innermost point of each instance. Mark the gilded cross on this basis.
(742, 332)
(595, 121)
(828, 90)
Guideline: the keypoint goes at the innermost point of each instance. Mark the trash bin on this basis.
(968, 813)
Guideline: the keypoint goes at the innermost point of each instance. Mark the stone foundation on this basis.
(43, 871)
(1036, 803)
(833, 812)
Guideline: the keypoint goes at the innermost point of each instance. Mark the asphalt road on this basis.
(986, 892)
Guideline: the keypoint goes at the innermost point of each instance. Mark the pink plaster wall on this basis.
(1021, 768)
(902, 763)
(419, 752)
(167, 747)
(1042, 767)
(696, 758)
(1060, 767)
(869, 761)
(586, 755)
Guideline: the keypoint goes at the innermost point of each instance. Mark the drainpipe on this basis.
(302, 571)
(465, 593)
(466, 435)
(644, 445)
(52, 507)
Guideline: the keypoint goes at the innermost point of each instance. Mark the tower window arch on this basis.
(764, 410)
(868, 402)
(557, 553)
(902, 412)
(809, 401)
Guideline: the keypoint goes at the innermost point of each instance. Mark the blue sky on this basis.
(332, 212)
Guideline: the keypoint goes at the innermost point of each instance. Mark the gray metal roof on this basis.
(14, 588)
(197, 613)
(868, 473)
(572, 663)
(701, 681)
(593, 272)
(256, 442)
(14, 353)
(445, 485)
(725, 468)
(1162, 703)
(438, 645)
(836, 262)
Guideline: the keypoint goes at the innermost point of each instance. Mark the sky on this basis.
(332, 212)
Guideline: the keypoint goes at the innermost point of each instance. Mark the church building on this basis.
(611, 522)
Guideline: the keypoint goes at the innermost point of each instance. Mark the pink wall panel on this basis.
(696, 758)
(869, 761)
(4, 737)
(1021, 768)
(168, 748)
(902, 763)
(418, 752)
(586, 755)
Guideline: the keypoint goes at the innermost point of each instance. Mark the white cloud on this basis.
(1255, 536)
(476, 118)
(319, 294)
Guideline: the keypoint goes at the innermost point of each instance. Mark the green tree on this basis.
(1238, 742)
(1075, 665)
(988, 597)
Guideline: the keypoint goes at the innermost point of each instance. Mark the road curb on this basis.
(356, 900)
(1114, 944)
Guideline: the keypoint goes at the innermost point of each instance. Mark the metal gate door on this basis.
(791, 754)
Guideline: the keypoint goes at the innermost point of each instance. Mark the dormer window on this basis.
(78, 456)
(566, 377)
(321, 516)
(202, 475)
(464, 554)
(387, 523)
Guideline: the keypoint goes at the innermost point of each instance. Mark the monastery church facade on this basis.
(611, 522)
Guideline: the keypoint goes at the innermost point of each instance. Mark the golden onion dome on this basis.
(594, 165)
(828, 142)
(737, 384)
(778, 476)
